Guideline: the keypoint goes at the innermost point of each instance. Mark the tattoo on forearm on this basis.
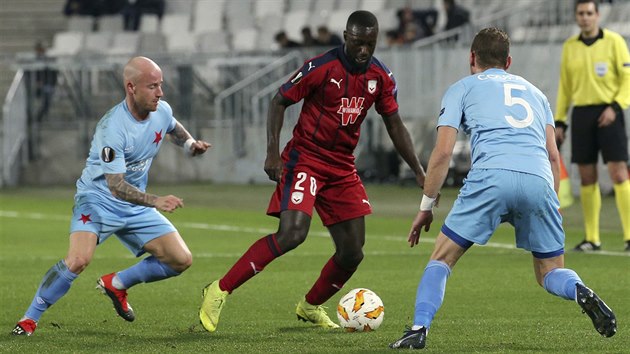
(180, 135)
(121, 189)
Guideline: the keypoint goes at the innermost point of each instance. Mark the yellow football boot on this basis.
(315, 314)
(213, 301)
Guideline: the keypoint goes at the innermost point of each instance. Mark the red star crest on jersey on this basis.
(158, 137)
(85, 218)
(350, 109)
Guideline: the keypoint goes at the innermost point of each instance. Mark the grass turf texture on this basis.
(492, 303)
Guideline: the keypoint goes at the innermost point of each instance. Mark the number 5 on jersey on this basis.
(511, 101)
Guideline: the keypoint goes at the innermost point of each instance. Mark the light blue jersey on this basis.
(510, 179)
(506, 118)
(122, 144)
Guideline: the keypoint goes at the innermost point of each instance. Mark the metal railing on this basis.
(232, 107)
(14, 131)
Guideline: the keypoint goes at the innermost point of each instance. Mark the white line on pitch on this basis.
(231, 228)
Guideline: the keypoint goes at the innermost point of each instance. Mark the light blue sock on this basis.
(54, 285)
(147, 270)
(561, 282)
(430, 292)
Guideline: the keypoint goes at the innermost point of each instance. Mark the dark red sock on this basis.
(331, 280)
(252, 262)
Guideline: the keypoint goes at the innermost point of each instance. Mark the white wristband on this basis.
(188, 144)
(427, 203)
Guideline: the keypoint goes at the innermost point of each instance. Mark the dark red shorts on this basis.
(337, 195)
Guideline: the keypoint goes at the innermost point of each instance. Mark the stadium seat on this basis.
(337, 20)
(180, 7)
(180, 43)
(264, 8)
(387, 19)
(239, 15)
(268, 27)
(323, 7)
(98, 42)
(373, 6)
(80, 23)
(208, 16)
(152, 43)
(149, 23)
(294, 21)
(245, 39)
(299, 5)
(66, 43)
(213, 42)
(124, 43)
(111, 23)
(349, 5)
(175, 23)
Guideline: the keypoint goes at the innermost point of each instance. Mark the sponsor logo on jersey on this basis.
(601, 69)
(108, 154)
(138, 166)
(441, 111)
(310, 65)
(297, 197)
(350, 109)
(371, 86)
(297, 78)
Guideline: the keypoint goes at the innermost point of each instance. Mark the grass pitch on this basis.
(492, 303)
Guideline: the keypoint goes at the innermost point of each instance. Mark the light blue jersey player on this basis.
(506, 118)
(111, 198)
(514, 178)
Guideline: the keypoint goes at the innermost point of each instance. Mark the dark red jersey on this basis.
(337, 96)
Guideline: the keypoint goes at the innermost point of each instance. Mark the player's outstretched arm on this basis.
(399, 135)
(181, 137)
(125, 191)
(437, 171)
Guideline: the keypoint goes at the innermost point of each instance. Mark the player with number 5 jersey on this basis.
(316, 168)
(514, 178)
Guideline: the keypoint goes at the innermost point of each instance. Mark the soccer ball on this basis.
(360, 310)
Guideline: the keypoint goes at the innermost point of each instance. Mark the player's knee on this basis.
(182, 262)
(290, 239)
(76, 264)
(351, 260)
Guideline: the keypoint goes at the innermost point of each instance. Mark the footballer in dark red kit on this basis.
(317, 169)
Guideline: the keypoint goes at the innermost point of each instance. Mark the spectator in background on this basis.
(327, 38)
(307, 37)
(133, 10)
(284, 41)
(77, 7)
(455, 16)
(45, 81)
(413, 25)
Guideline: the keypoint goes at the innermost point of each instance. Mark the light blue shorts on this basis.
(493, 196)
(134, 226)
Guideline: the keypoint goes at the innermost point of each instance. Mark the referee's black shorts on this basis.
(587, 139)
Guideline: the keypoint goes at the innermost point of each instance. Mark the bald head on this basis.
(143, 86)
(137, 67)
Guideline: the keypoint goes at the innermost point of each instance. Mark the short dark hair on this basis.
(578, 2)
(491, 47)
(362, 18)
